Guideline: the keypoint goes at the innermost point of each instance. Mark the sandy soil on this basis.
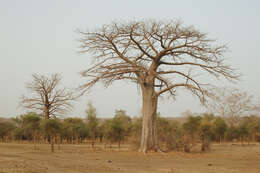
(22, 158)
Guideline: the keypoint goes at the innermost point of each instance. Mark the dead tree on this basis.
(159, 57)
(47, 97)
(230, 103)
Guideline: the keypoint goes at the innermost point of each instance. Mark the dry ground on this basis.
(226, 158)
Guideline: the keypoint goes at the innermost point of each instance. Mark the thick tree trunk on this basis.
(149, 111)
(46, 113)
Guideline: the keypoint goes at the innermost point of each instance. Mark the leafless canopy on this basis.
(159, 57)
(230, 103)
(46, 96)
(165, 55)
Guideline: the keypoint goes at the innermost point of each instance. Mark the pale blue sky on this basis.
(39, 37)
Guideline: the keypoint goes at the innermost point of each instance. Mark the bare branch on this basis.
(230, 103)
(46, 96)
(148, 52)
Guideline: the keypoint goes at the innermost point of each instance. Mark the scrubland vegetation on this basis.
(180, 134)
(191, 143)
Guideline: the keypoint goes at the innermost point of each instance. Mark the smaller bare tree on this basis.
(47, 96)
(231, 103)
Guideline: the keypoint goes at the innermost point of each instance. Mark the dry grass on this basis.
(226, 158)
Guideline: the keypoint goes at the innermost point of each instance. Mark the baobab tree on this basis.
(47, 96)
(160, 57)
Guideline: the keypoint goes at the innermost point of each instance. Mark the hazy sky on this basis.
(39, 37)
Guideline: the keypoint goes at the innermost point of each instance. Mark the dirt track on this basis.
(22, 158)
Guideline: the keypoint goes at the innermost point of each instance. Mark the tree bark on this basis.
(46, 113)
(149, 111)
